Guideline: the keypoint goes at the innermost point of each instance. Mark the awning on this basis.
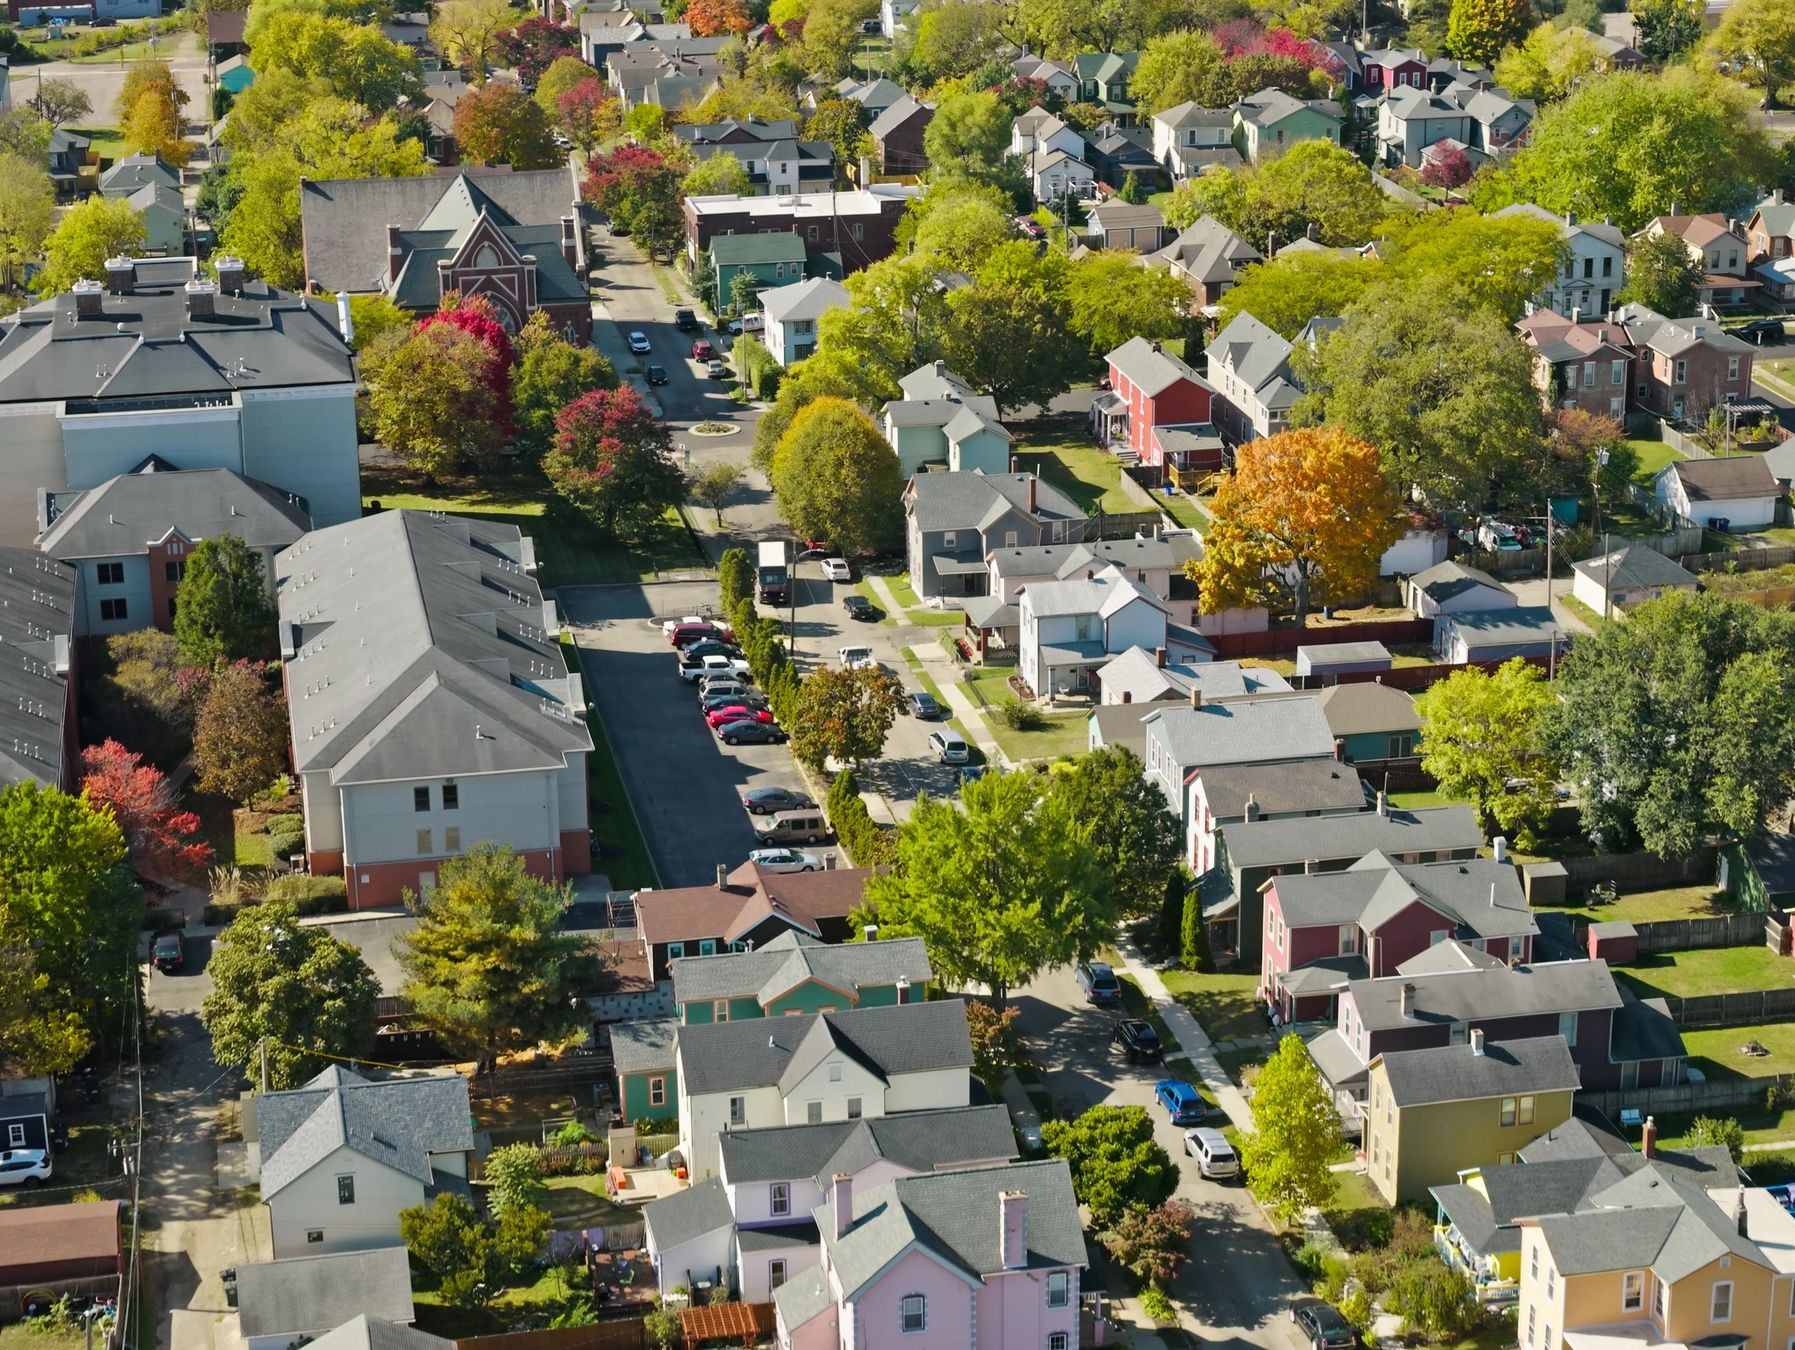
(1074, 654)
(1336, 1060)
(1322, 977)
(1109, 404)
(987, 611)
(950, 565)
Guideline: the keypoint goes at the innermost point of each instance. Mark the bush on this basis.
(286, 834)
(1311, 1260)
(1726, 1132)
(275, 793)
(1434, 1299)
(1156, 1305)
(309, 894)
(1020, 716)
(759, 372)
(863, 841)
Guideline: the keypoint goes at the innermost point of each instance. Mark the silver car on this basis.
(1215, 1156)
(785, 860)
(949, 746)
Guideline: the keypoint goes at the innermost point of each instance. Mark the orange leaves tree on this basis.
(1306, 517)
(713, 18)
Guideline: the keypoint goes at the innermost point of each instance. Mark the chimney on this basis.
(231, 274)
(1739, 1216)
(395, 252)
(345, 323)
(1339, 749)
(1477, 1040)
(1128, 696)
(1383, 803)
(1648, 1137)
(1576, 314)
(1311, 866)
(1312, 233)
(569, 242)
(1777, 197)
(1012, 1209)
(722, 876)
(1031, 494)
(1159, 657)
(870, 933)
(1253, 811)
(1408, 1000)
(90, 298)
(1196, 696)
(202, 297)
(841, 1201)
(1499, 849)
(1492, 895)
(121, 276)
(1570, 217)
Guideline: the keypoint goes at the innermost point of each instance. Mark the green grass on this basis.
(1653, 456)
(1421, 800)
(915, 611)
(1065, 733)
(1717, 1051)
(1581, 610)
(1224, 1004)
(1183, 508)
(233, 842)
(85, 1162)
(1355, 1200)
(865, 588)
(1067, 459)
(609, 809)
(669, 287)
(1712, 970)
(1760, 1127)
(107, 142)
(581, 1202)
(1669, 902)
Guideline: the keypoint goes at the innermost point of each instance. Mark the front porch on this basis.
(1494, 1287)
(1109, 426)
(992, 629)
(1069, 669)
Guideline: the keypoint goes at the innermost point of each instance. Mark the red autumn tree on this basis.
(713, 18)
(158, 834)
(1445, 166)
(613, 461)
(640, 191)
(475, 316)
(535, 44)
(588, 113)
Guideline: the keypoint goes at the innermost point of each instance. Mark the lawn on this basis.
(581, 1202)
(1670, 902)
(231, 833)
(85, 1162)
(865, 588)
(1718, 1053)
(106, 142)
(1089, 476)
(1225, 1004)
(1761, 1127)
(1421, 800)
(1653, 456)
(1186, 510)
(915, 611)
(1356, 1202)
(1712, 970)
(1581, 610)
(1065, 733)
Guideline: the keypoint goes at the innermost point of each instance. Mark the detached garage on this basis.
(1497, 635)
(58, 1249)
(1721, 494)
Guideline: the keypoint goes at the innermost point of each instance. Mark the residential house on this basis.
(768, 260)
(797, 973)
(1452, 587)
(468, 730)
(1770, 232)
(1372, 722)
(1151, 562)
(1059, 76)
(339, 1157)
(940, 420)
(1613, 54)
(1189, 140)
(897, 136)
(1038, 131)
(1419, 547)
(1183, 739)
(790, 315)
(807, 1069)
(130, 536)
(1117, 151)
(1411, 119)
(1103, 79)
(39, 598)
(1432, 1114)
(1529, 631)
(1208, 257)
(1721, 494)
(1150, 389)
(842, 231)
(603, 33)
(156, 360)
(666, 74)
(27, 1110)
(1594, 267)
(1230, 794)
(297, 1299)
(953, 522)
(647, 1074)
(777, 161)
(235, 74)
(1777, 278)
(1069, 628)
(1628, 576)
(1056, 174)
(224, 33)
(997, 1249)
(1720, 248)
(68, 156)
(514, 238)
(1168, 675)
(874, 96)
(1268, 123)
(894, 16)
(71, 1248)
(1394, 68)
(1248, 366)
(371, 1333)
(1685, 366)
(443, 91)
(132, 172)
(1116, 224)
(1498, 122)
(1324, 929)
(1580, 363)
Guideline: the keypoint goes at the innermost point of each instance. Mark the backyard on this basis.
(1653, 456)
(1062, 453)
(1712, 970)
(1721, 1052)
(1669, 902)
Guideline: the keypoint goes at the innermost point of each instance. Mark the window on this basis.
(1517, 949)
(1551, 1281)
(1660, 1298)
(113, 611)
(779, 1199)
(1508, 1110)
(1527, 1110)
(1402, 746)
(1349, 939)
(1632, 1291)
(675, 950)
(452, 839)
(814, 236)
(451, 796)
(1720, 1306)
(1608, 267)
(948, 537)
(314, 1235)
(1058, 1341)
(912, 1314)
(1589, 268)
(720, 1010)
(657, 1091)
(859, 230)
(1732, 367)
(1567, 1028)
(1059, 1289)
(346, 1189)
(1505, 1160)
(1548, 1341)
(778, 271)
(1460, 1033)
(172, 602)
(1682, 371)
(1532, 1318)
(853, 1108)
(813, 1112)
(15, 1136)
(110, 574)
(172, 572)
(738, 1110)
(1589, 374)
(420, 799)
(835, 1073)
(775, 1273)
(707, 947)
(1617, 372)
(425, 847)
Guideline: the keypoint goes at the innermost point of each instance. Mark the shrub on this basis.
(570, 1135)
(863, 841)
(1020, 716)
(275, 793)
(514, 1179)
(1728, 1133)
(1434, 1299)
(309, 894)
(286, 834)
(1310, 1260)
(1156, 1305)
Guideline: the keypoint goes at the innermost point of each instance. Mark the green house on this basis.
(1268, 123)
(1372, 722)
(794, 974)
(647, 1083)
(771, 259)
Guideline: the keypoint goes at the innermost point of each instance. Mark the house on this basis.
(796, 972)
(1770, 232)
(1685, 366)
(777, 161)
(512, 237)
(129, 537)
(1056, 174)
(1149, 388)
(1268, 123)
(790, 315)
(468, 730)
(603, 33)
(1060, 78)
(1498, 122)
(301, 1297)
(1116, 224)
(132, 172)
(1248, 366)
(1039, 131)
(443, 91)
(1372, 722)
(894, 16)
(666, 74)
(1189, 140)
(953, 522)
(1417, 548)
(371, 1333)
(72, 1248)
(1613, 54)
(1777, 277)
(235, 74)
(339, 1157)
(647, 1074)
(68, 156)
(1765, 866)
(1228, 794)
(1720, 494)
(1208, 257)
(164, 219)
(39, 599)
(1528, 631)
(807, 1069)
(1394, 68)
(1594, 267)
(1323, 929)
(854, 229)
(1115, 151)
(1188, 738)
(940, 420)
(746, 909)
(897, 136)
(875, 95)
(1720, 248)
(27, 1110)
(1152, 562)
(1411, 120)
(937, 1255)
(768, 260)
(1626, 577)
(1431, 1114)
(1103, 79)
(1453, 587)
(1069, 628)
(243, 377)
(1580, 363)
(1167, 674)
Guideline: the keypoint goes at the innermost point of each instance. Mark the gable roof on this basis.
(676, 1219)
(314, 1293)
(1103, 594)
(1150, 368)
(794, 958)
(1448, 956)
(1281, 789)
(1207, 251)
(398, 1122)
(749, 896)
(779, 1051)
(126, 514)
(1444, 580)
(1252, 732)
(1707, 480)
(1462, 1073)
(1632, 566)
(896, 115)
(1137, 672)
(919, 1141)
(1481, 895)
(371, 1333)
(1263, 843)
(1651, 1218)
(1117, 214)
(1256, 355)
(1486, 995)
(1354, 709)
(805, 300)
(1776, 213)
(37, 636)
(135, 171)
(963, 500)
(1268, 107)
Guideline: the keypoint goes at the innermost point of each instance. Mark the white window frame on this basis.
(1632, 1291)
(1527, 1108)
(813, 1113)
(1058, 1340)
(657, 1091)
(921, 1314)
(776, 1272)
(738, 1111)
(1714, 1298)
(1505, 1112)
(1059, 1289)
(15, 1136)
(719, 1010)
(779, 1199)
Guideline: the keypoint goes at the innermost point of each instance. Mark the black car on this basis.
(167, 951)
(704, 647)
(657, 375)
(859, 608)
(750, 733)
(1761, 331)
(711, 702)
(923, 706)
(1322, 1328)
(685, 320)
(766, 800)
(1138, 1041)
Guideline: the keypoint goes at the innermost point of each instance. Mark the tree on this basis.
(1151, 1243)
(151, 681)
(158, 834)
(844, 715)
(487, 967)
(446, 1236)
(840, 123)
(999, 888)
(1663, 275)
(514, 1179)
(1139, 845)
(639, 190)
(1181, 67)
(588, 114)
(1011, 344)
(614, 462)
(240, 734)
(969, 135)
(356, 62)
(467, 32)
(1133, 192)
(38, 1035)
(1285, 292)
(1665, 29)
(1675, 724)
(1483, 739)
(154, 128)
(1116, 1163)
(500, 124)
(222, 609)
(564, 73)
(996, 1043)
(715, 486)
(1469, 260)
(958, 225)
(431, 402)
(143, 77)
(89, 233)
(1446, 166)
(1113, 298)
(720, 174)
(712, 18)
(1478, 31)
(1723, 1132)
(1307, 513)
(551, 372)
(535, 45)
(1061, 29)
(1193, 930)
(744, 292)
(27, 210)
(288, 995)
(1314, 183)
(59, 100)
(1552, 62)
(952, 37)
(837, 478)
(519, 1238)
(1296, 1131)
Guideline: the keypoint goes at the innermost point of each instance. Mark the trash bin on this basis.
(229, 1277)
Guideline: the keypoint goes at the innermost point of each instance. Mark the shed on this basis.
(25, 1114)
(1545, 882)
(1330, 661)
(1627, 576)
(70, 1245)
(1615, 941)
(1721, 494)
(1497, 635)
(1452, 588)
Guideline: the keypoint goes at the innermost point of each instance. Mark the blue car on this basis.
(1180, 1100)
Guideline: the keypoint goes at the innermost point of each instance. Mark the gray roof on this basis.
(1268, 107)
(1776, 213)
(1772, 857)
(794, 958)
(1463, 1073)
(1265, 843)
(1330, 654)
(1208, 251)
(37, 627)
(778, 1237)
(1121, 725)
(1117, 214)
(1137, 672)
(1257, 356)
(896, 114)
(777, 1051)
(1706, 480)
(1487, 109)
(398, 1122)
(955, 1217)
(806, 1295)
(157, 194)
(677, 1219)
(135, 171)
(965, 501)
(1644, 1029)
(1486, 995)
(1481, 895)
(806, 300)
(1449, 955)
(1281, 789)
(919, 1141)
(1651, 1218)
(1353, 709)
(471, 678)
(315, 1293)
(1259, 731)
(1185, 115)
(1633, 566)
(370, 1333)
(1150, 368)
(126, 514)
(639, 1047)
(1523, 623)
(1444, 580)
(1065, 560)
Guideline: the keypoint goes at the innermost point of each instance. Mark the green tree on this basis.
(446, 1236)
(1133, 192)
(735, 578)
(1000, 887)
(154, 128)
(1469, 260)
(957, 224)
(953, 37)
(1012, 344)
(1662, 274)
(519, 1237)
(514, 1179)
(1296, 1132)
(564, 73)
(222, 609)
(837, 478)
(968, 136)
(744, 292)
(60, 100)
(1140, 844)
(89, 233)
(551, 372)
(27, 210)
(1113, 298)
(715, 485)
(1664, 29)
(432, 402)
(1314, 183)
(832, 33)
(1479, 31)
(487, 967)
(1719, 1132)
(1193, 931)
(1483, 738)
(1182, 67)
(844, 715)
(500, 124)
(467, 32)
(720, 174)
(1285, 292)
(1116, 1163)
(38, 1035)
(358, 63)
(239, 734)
(614, 462)
(840, 123)
(1552, 62)
(24, 134)
(290, 991)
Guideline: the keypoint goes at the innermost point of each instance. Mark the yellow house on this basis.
(1430, 1114)
(1660, 1264)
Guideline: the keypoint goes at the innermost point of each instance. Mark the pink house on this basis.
(1149, 390)
(987, 1257)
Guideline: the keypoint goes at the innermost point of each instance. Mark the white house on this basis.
(1059, 77)
(894, 16)
(1249, 366)
(1038, 130)
(1594, 271)
(1455, 588)
(1150, 562)
(1188, 139)
(1742, 492)
(940, 420)
(791, 314)
(1627, 576)
(1070, 628)
(338, 1158)
(1171, 673)
(1418, 548)
(1054, 174)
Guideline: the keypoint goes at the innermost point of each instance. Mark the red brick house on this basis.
(1149, 390)
(1720, 247)
(1579, 365)
(897, 134)
(1675, 367)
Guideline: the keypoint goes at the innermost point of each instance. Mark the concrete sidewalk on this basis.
(1191, 1037)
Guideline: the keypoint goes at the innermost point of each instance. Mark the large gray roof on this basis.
(132, 172)
(1281, 789)
(371, 1333)
(1706, 480)
(1446, 579)
(806, 1295)
(126, 514)
(793, 958)
(399, 1122)
(639, 1047)
(966, 500)
(37, 627)
(1461, 1073)
(1486, 995)
(920, 1141)
(1368, 706)
(315, 1293)
(1332, 838)
(1150, 368)
(1064, 560)
(1652, 1218)
(1257, 731)
(469, 677)
(1138, 674)
(1256, 355)
(774, 1051)
(1480, 895)
(1208, 251)
(1632, 566)
(676, 1219)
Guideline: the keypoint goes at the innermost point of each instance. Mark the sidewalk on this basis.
(960, 705)
(1191, 1037)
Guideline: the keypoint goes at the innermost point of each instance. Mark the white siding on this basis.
(752, 1269)
(699, 1259)
(134, 590)
(519, 809)
(929, 1091)
(1415, 552)
(832, 1093)
(311, 1203)
(306, 443)
(33, 460)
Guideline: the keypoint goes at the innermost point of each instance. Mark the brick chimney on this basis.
(1159, 657)
(1031, 494)
(841, 1201)
(1253, 810)
(1012, 1209)
(1339, 750)
(202, 298)
(395, 253)
(90, 299)
(1196, 696)
(569, 242)
(1648, 1137)
(121, 276)
(1128, 696)
(231, 274)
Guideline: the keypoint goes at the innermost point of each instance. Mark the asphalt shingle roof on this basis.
(1151, 369)
(1444, 580)
(964, 501)
(794, 958)
(1486, 995)
(751, 895)
(370, 1333)
(126, 514)
(1481, 895)
(398, 1122)
(805, 300)
(1332, 838)
(920, 1141)
(1208, 251)
(1708, 480)
(1281, 789)
(1460, 1073)
(746, 250)
(771, 1051)
(677, 1219)
(1254, 732)
(638, 1047)
(1137, 672)
(1353, 709)
(1651, 1218)
(316, 1293)
(1635, 565)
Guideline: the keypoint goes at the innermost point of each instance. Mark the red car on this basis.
(685, 634)
(702, 350)
(736, 712)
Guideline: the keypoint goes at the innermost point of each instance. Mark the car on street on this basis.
(1322, 1327)
(855, 658)
(716, 369)
(737, 712)
(751, 733)
(1761, 331)
(785, 860)
(24, 1167)
(859, 608)
(837, 569)
(684, 634)
(638, 341)
(685, 320)
(1099, 982)
(1180, 1100)
(922, 706)
(763, 801)
(167, 952)
(737, 696)
(702, 350)
(949, 746)
(712, 665)
(657, 374)
(732, 690)
(1138, 1041)
(1215, 1156)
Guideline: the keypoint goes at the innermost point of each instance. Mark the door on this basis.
(426, 883)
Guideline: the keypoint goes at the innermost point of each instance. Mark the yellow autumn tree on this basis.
(1305, 517)
(154, 127)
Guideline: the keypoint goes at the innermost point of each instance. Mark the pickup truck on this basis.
(712, 665)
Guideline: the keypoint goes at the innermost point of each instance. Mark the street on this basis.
(103, 80)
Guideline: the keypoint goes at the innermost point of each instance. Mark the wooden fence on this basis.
(1677, 542)
(1641, 871)
(1681, 935)
(1684, 1097)
(1411, 679)
(1739, 560)
(622, 1334)
(1732, 1010)
(1285, 641)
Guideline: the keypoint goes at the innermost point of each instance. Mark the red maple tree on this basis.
(157, 832)
(588, 111)
(476, 317)
(534, 44)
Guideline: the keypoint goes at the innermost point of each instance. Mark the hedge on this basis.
(865, 843)
(756, 366)
(307, 894)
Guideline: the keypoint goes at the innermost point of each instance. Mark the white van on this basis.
(800, 825)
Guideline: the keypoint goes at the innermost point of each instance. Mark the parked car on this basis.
(1180, 1100)
(1761, 331)
(737, 712)
(685, 320)
(702, 350)
(1138, 1041)
(854, 658)
(688, 631)
(734, 696)
(668, 625)
(1099, 982)
(859, 607)
(785, 860)
(1215, 1156)
(923, 707)
(24, 1167)
(1031, 227)
(949, 746)
(805, 825)
(751, 733)
(716, 369)
(638, 342)
(837, 569)
(657, 374)
(717, 680)
(712, 665)
(167, 952)
(1322, 1327)
(763, 801)
(708, 647)
(1498, 537)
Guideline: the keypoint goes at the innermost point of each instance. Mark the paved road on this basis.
(102, 81)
